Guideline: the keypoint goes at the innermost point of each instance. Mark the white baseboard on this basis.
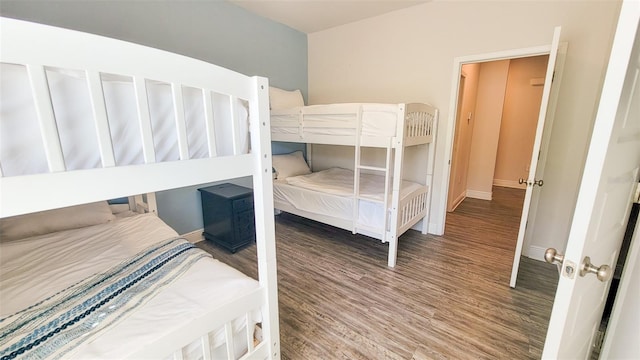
(509, 183)
(482, 195)
(458, 200)
(194, 236)
(535, 252)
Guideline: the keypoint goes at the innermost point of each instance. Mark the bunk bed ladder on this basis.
(358, 167)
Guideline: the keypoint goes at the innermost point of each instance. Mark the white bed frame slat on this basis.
(206, 347)
(144, 118)
(228, 334)
(46, 117)
(96, 94)
(234, 128)
(27, 43)
(178, 355)
(181, 126)
(249, 335)
(209, 123)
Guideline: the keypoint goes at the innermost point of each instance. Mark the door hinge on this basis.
(636, 196)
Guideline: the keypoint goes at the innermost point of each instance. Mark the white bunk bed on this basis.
(396, 205)
(81, 159)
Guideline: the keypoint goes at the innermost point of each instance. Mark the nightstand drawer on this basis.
(243, 204)
(245, 225)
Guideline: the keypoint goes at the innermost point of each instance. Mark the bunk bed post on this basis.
(430, 169)
(397, 180)
(309, 147)
(263, 200)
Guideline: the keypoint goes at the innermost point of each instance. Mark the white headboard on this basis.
(225, 98)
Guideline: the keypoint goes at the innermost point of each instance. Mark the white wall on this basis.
(484, 146)
(519, 119)
(407, 56)
(465, 125)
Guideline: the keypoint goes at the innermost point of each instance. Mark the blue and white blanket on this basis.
(55, 326)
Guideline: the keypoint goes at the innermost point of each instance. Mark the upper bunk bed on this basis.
(86, 119)
(364, 124)
(370, 199)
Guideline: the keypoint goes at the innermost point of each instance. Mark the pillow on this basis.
(292, 164)
(283, 99)
(44, 222)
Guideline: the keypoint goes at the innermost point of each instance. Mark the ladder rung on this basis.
(375, 168)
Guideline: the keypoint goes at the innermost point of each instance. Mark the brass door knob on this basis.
(603, 273)
(551, 256)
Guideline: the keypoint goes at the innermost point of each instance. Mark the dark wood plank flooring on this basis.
(447, 298)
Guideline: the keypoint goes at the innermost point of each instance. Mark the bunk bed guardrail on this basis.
(338, 124)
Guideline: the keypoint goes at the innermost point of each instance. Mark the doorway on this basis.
(553, 75)
(497, 113)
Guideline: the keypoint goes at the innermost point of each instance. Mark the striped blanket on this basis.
(55, 326)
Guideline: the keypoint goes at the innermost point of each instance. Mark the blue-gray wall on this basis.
(213, 31)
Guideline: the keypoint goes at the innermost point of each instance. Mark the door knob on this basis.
(603, 273)
(538, 182)
(551, 256)
(521, 181)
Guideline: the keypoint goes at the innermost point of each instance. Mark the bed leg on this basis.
(393, 251)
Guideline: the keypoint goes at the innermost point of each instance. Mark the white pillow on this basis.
(283, 99)
(292, 164)
(44, 222)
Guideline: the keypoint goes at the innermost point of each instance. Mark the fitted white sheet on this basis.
(34, 268)
(329, 192)
(377, 119)
(22, 151)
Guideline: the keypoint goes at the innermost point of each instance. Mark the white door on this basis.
(608, 185)
(546, 91)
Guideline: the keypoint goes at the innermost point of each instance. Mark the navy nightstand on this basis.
(227, 213)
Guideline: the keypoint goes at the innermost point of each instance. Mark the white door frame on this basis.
(451, 119)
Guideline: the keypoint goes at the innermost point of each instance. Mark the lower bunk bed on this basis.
(78, 280)
(121, 283)
(327, 196)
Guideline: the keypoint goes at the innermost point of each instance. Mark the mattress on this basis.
(72, 108)
(27, 265)
(330, 193)
(337, 119)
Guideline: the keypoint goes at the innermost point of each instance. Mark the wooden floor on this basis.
(447, 298)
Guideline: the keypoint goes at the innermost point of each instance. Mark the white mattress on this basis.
(337, 119)
(27, 269)
(21, 149)
(329, 193)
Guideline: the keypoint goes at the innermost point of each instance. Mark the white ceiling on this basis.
(309, 16)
